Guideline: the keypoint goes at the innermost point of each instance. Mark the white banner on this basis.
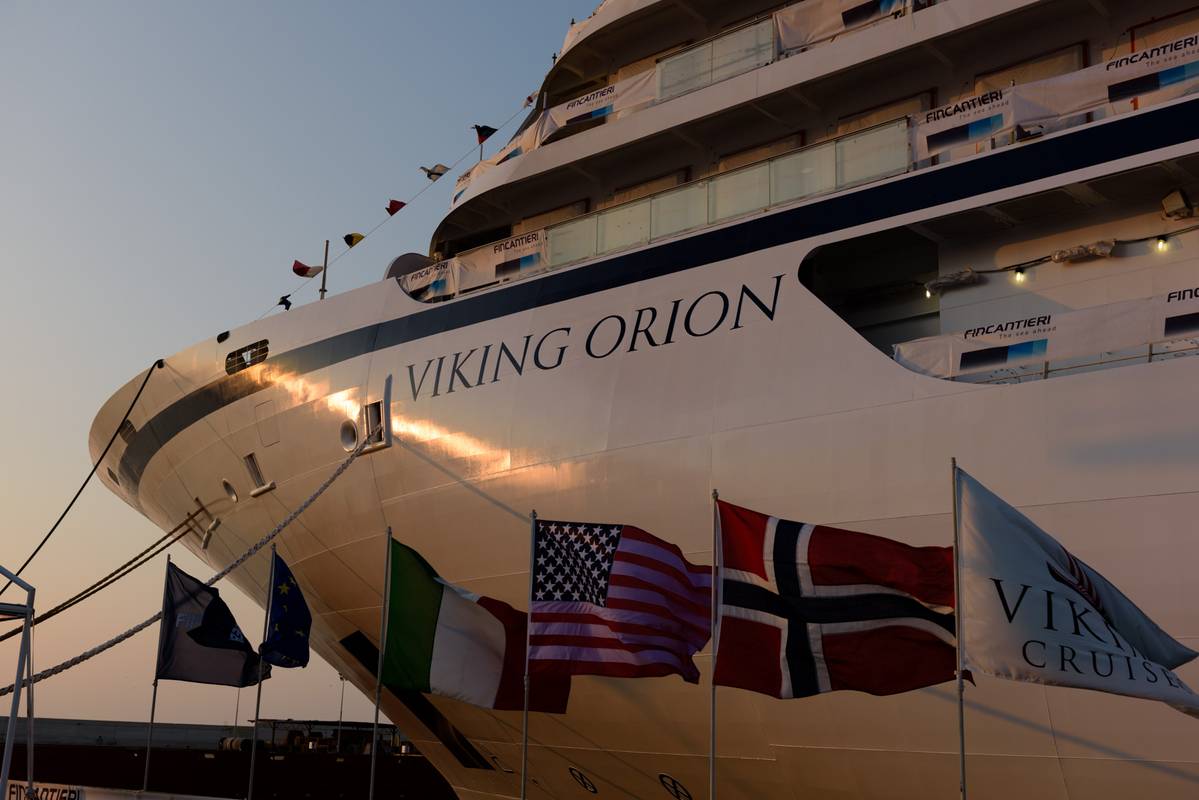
(434, 282)
(615, 98)
(812, 21)
(1157, 73)
(1033, 612)
(1025, 344)
(502, 261)
(970, 119)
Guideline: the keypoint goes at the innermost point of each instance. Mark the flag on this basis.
(613, 600)
(199, 641)
(305, 271)
(446, 640)
(285, 301)
(289, 622)
(352, 239)
(484, 132)
(1034, 612)
(806, 609)
(394, 206)
(434, 172)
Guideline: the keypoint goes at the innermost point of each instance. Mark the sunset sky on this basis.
(161, 166)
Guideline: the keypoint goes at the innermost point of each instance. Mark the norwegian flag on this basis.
(613, 600)
(806, 609)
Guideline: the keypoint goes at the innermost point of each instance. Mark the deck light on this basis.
(1163, 244)
(1020, 275)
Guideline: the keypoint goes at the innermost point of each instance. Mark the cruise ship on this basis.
(804, 255)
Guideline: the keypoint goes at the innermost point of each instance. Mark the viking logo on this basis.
(1080, 582)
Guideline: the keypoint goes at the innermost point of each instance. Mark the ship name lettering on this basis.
(1182, 294)
(631, 332)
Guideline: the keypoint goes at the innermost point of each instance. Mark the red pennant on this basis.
(305, 271)
(394, 206)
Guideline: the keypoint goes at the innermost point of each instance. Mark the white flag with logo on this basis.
(1033, 612)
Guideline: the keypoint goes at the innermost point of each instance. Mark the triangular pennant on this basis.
(394, 206)
(484, 132)
(305, 271)
(352, 239)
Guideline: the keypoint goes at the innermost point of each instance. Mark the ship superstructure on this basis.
(802, 254)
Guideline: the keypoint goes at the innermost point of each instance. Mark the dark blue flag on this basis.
(289, 623)
(199, 641)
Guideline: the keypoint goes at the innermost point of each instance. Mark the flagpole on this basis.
(325, 269)
(341, 710)
(524, 724)
(379, 670)
(957, 616)
(715, 612)
(716, 601)
(266, 627)
(154, 695)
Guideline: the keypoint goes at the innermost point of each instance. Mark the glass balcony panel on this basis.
(873, 153)
(572, 241)
(691, 69)
(680, 210)
(623, 226)
(739, 192)
(743, 50)
(809, 172)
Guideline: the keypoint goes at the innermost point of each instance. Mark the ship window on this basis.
(1046, 65)
(127, 431)
(876, 284)
(246, 357)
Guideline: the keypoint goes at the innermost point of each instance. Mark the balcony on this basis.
(858, 158)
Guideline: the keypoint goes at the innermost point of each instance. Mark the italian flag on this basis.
(448, 641)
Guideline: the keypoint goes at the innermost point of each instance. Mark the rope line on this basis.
(144, 557)
(388, 219)
(141, 626)
(156, 365)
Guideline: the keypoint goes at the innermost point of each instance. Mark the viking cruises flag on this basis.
(289, 622)
(199, 641)
(806, 609)
(613, 600)
(305, 271)
(446, 640)
(1033, 612)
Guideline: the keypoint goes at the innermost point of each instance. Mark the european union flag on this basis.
(289, 622)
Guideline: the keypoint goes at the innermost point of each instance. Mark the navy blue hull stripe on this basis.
(1003, 169)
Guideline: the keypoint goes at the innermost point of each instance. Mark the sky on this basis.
(162, 163)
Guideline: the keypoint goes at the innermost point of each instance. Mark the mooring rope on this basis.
(141, 626)
(156, 365)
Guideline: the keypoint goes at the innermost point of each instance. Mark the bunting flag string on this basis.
(438, 170)
(484, 132)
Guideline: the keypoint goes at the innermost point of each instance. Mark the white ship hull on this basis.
(781, 407)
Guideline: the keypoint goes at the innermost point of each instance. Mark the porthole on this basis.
(349, 435)
(229, 490)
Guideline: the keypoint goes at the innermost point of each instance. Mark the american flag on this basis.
(613, 600)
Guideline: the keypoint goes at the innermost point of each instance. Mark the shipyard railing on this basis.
(1043, 370)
